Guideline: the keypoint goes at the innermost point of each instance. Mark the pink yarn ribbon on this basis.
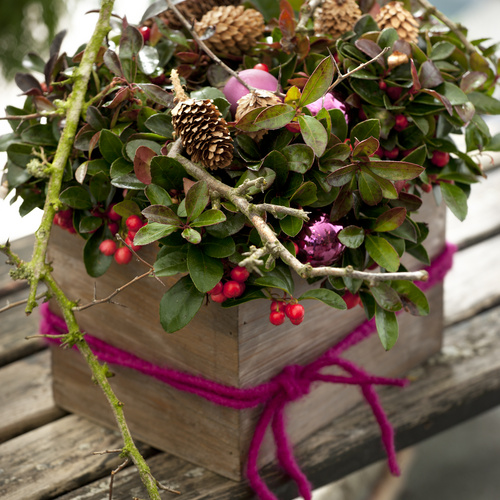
(291, 384)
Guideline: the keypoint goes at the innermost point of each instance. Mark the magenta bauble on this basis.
(318, 242)
(327, 102)
(256, 78)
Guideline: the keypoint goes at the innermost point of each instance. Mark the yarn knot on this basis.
(294, 382)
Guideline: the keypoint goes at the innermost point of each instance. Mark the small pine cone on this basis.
(203, 132)
(335, 17)
(394, 15)
(255, 99)
(236, 29)
(190, 9)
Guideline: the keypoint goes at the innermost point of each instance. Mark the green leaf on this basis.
(412, 298)
(180, 304)
(387, 327)
(153, 231)
(280, 277)
(351, 236)
(127, 181)
(110, 146)
(485, 104)
(167, 172)
(76, 197)
(191, 235)
(342, 176)
(89, 224)
(472, 80)
(329, 297)
(339, 124)
(205, 271)
(96, 263)
(209, 218)
(100, 186)
(382, 252)
(455, 199)
(233, 224)
(305, 194)
(161, 215)
(386, 297)
(442, 50)
(366, 147)
(369, 189)
(364, 130)
(119, 167)
(274, 117)
(429, 75)
(300, 157)
(160, 124)
(291, 226)
(157, 195)
(197, 199)
(318, 82)
(39, 135)
(314, 134)
(395, 170)
(142, 162)
(126, 208)
(219, 248)
(390, 220)
(157, 94)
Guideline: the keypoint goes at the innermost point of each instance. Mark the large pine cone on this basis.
(335, 17)
(236, 29)
(255, 99)
(394, 15)
(203, 132)
(190, 9)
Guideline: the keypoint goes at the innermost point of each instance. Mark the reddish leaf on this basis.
(370, 48)
(188, 57)
(287, 21)
(442, 98)
(93, 142)
(142, 162)
(414, 75)
(390, 220)
(430, 76)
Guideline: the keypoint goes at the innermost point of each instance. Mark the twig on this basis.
(113, 474)
(95, 302)
(40, 336)
(279, 209)
(203, 45)
(341, 77)
(20, 302)
(167, 488)
(119, 238)
(430, 9)
(29, 117)
(272, 245)
(306, 12)
(106, 452)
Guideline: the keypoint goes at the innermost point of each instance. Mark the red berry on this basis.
(107, 247)
(379, 152)
(233, 289)
(130, 242)
(277, 318)
(57, 219)
(351, 299)
(239, 274)
(112, 214)
(123, 255)
(427, 188)
(134, 223)
(218, 297)
(113, 227)
(296, 321)
(277, 305)
(131, 235)
(392, 154)
(296, 247)
(440, 158)
(394, 92)
(262, 67)
(145, 32)
(401, 123)
(216, 289)
(66, 214)
(382, 85)
(294, 311)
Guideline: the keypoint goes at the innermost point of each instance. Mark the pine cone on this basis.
(255, 99)
(335, 17)
(394, 15)
(236, 29)
(203, 132)
(190, 9)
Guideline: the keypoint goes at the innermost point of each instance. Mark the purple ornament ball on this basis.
(318, 242)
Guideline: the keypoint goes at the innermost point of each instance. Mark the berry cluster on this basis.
(232, 288)
(281, 309)
(64, 219)
(122, 255)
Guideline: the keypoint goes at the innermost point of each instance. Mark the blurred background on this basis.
(460, 464)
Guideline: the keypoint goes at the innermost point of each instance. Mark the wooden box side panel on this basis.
(165, 418)
(208, 346)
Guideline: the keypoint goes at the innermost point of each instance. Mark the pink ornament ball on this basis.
(256, 78)
(318, 242)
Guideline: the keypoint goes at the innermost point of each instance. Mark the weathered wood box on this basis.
(237, 347)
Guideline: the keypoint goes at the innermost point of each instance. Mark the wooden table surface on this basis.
(47, 454)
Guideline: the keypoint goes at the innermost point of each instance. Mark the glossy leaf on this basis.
(342, 175)
(382, 252)
(167, 172)
(387, 327)
(430, 77)
(96, 263)
(386, 297)
(208, 218)
(172, 263)
(110, 145)
(157, 195)
(412, 298)
(161, 215)
(364, 130)
(300, 157)
(318, 82)
(455, 199)
(390, 220)
(219, 248)
(76, 197)
(314, 134)
(191, 235)
(366, 147)
(205, 271)
(328, 297)
(352, 236)
(280, 277)
(197, 199)
(153, 231)
(180, 304)
(369, 189)
(395, 170)
(100, 187)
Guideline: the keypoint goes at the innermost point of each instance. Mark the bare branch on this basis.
(21, 302)
(113, 474)
(306, 12)
(29, 117)
(106, 452)
(279, 209)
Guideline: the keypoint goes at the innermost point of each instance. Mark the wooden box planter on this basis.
(236, 346)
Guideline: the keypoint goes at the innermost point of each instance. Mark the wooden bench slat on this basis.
(26, 400)
(452, 387)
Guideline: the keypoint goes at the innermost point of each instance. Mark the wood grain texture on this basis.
(26, 400)
(450, 388)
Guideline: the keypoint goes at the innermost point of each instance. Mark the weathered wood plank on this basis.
(483, 219)
(473, 283)
(56, 458)
(452, 387)
(26, 400)
(15, 326)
